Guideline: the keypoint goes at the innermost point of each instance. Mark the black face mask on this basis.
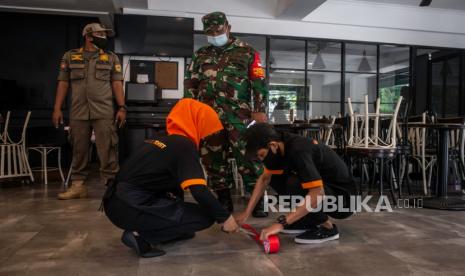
(274, 161)
(99, 42)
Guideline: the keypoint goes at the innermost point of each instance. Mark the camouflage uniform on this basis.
(231, 80)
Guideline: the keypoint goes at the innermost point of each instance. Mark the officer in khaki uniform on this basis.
(94, 76)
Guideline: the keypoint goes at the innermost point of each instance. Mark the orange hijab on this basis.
(193, 119)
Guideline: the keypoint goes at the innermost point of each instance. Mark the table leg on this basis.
(442, 201)
(443, 165)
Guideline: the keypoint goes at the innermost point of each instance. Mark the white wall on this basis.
(166, 93)
(335, 19)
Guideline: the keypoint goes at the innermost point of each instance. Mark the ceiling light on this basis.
(364, 64)
(425, 3)
(318, 63)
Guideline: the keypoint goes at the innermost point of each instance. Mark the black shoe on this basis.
(224, 197)
(298, 227)
(259, 210)
(321, 234)
(142, 248)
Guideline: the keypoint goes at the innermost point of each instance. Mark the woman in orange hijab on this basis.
(146, 199)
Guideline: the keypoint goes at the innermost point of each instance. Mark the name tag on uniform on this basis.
(77, 57)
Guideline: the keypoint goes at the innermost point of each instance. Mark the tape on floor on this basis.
(271, 245)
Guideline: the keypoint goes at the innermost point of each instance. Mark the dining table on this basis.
(441, 200)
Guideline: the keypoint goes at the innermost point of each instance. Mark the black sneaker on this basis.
(298, 227)
(142, 248)
(319, 235)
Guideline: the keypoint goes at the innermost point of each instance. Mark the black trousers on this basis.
(290, 185)
(152, 228)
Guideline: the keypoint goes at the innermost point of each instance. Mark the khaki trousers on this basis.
(106, 140)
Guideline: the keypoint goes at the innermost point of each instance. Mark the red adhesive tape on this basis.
(271, 245)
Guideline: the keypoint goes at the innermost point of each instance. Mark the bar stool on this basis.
(44, 168)
(46, 141)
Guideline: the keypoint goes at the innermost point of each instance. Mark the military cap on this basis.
(96, 27)
(214, 21)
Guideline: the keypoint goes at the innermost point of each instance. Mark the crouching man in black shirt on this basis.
(298, 166)
(146, 199)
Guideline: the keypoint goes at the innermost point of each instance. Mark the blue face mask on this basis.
(218, 41)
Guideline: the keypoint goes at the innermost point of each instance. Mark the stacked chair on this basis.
(372, 140)
(13, 157)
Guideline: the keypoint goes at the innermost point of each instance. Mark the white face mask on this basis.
(218, 41)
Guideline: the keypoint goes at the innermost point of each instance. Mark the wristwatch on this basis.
(282, 220)
(125, 107)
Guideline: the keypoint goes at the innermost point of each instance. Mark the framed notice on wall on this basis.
(166, 74)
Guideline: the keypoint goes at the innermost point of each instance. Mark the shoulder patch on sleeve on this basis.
(256, 69)
(118, 68)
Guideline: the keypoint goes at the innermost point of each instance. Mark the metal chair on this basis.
(418, 140)
(368, 142)
(13, 158)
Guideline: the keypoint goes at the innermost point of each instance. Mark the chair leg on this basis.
(391, 181)
(399, 174)
(66, 183)
(44, 168)
(59, 165)
(362, 176)
(373, 179)
(381, 172)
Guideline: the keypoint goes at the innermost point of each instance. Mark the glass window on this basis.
(324, 55)
(324, 86)
(287, 96)
(287, 53)
(359, 85)
(394, 76)
(360, 58)
(318, 110)
(445, 87)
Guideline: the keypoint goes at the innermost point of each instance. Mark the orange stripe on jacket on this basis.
(190, 182)
(276, 172)
(312, 184)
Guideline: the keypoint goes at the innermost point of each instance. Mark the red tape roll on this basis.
(271, 245)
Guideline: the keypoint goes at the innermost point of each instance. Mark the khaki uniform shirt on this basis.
(90, 75)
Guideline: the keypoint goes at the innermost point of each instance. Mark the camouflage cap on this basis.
(96, 27)
(214, 21)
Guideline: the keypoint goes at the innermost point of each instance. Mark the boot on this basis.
(224, 197)
(77, 190)
(258, 211)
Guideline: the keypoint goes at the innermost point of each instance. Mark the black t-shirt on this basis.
(313, 163)
(161, 166)
(165, 164)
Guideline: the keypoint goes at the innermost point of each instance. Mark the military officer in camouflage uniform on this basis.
(227, 75)
(95, 78)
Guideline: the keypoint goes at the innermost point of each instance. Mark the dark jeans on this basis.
(152, 228)
(290, 185)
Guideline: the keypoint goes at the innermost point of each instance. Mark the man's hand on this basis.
(259, 117)
(230, 225)
(57, 117)
(272, 230)
(120, 118)
(241, 217)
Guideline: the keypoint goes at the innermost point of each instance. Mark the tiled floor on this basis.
(40, 235)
